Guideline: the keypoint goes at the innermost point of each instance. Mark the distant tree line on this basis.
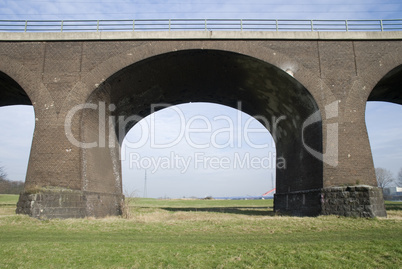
(9, 186)
(399, 182)
(386, 179)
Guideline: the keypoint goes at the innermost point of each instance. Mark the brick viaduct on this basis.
(319, 81)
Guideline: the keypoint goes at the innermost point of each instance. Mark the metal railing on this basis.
(198, 25)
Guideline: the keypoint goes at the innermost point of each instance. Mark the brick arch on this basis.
(368, 82)
(31, 84)
(215, 76)
(378, 69)
(45, 114)
(15, 74)
(14, 91)
(307, 76)
(328, 69)
(387, 88)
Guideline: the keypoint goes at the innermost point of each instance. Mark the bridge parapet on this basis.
(199, 25)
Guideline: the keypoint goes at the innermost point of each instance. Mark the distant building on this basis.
(393, 193)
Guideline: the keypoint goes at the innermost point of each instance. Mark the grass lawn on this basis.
(8, 199)
(200, 234)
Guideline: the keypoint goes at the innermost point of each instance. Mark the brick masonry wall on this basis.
(59, 75)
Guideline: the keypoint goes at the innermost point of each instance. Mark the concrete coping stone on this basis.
(196, 35)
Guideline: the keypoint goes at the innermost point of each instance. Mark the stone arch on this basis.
(215, 76)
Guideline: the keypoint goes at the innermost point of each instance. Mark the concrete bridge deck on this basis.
(192, 35)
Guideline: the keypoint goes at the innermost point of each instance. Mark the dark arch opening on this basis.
(17, 132)
(263, 90)
(11, 92)
(383, 124)
(388, 89)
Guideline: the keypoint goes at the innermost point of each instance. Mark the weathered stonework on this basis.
(52, 204)
(353, 201)
(332, 81)
(65, 203)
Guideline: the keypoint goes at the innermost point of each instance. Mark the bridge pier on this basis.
(354, 201)
(66, 203)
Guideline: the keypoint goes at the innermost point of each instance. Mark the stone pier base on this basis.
(354, 201)
(301, 203)
(64, 203)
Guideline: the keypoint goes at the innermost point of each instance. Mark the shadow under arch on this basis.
(263, 90)
(388, 89)
(11, 93)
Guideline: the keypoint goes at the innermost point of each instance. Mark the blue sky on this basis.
(218, 157)
(17, 123)
(140, 9)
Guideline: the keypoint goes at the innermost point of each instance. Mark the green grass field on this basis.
(8, 199)
(200, 234)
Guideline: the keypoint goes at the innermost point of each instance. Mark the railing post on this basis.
(61, 30)
(312, 25)
(97, 25)
(346, 25)
(241, 24)
(382, 26)
(26, 26)
(133, 25)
